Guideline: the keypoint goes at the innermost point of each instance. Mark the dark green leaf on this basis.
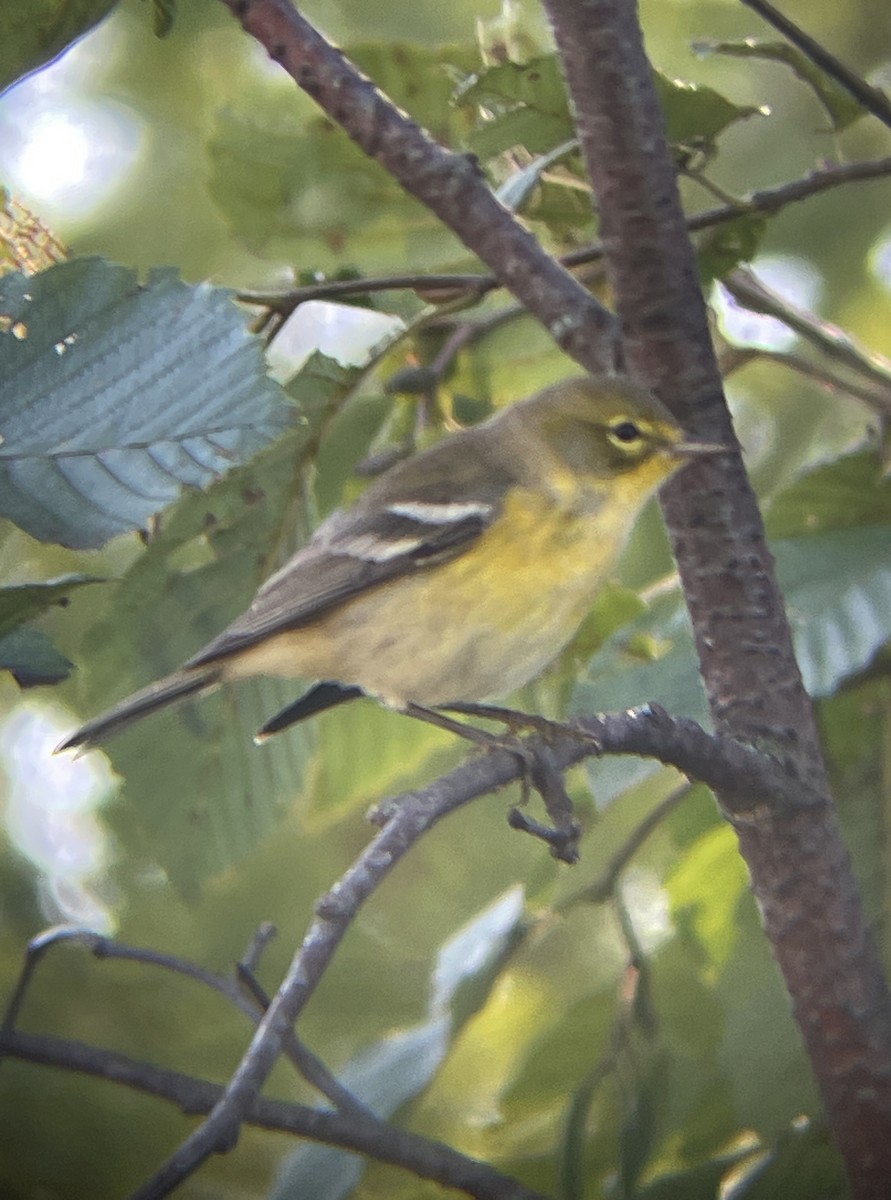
(25, 601)
(32, 659)
(117, 395)
(36, 33)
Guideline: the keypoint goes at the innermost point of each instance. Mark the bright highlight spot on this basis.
(341, 331)
(61, 151)
(793, 279)
(51, 818)
(880, 261)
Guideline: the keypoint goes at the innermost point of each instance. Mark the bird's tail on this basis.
(157, 695)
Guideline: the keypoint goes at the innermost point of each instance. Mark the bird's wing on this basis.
(380, 539)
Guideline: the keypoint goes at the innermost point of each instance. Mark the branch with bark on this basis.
(764, 762)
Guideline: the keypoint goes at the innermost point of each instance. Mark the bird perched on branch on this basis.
(460, 573)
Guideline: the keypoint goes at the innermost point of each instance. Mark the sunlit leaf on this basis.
(695, 114)
(838, 102)
(394, 1070)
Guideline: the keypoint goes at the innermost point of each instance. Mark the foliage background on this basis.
(709, 1064)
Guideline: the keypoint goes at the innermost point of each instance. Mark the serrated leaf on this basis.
(32, 659)
(840, 105)
(207, 800)
(36, 33)
(526, 105)
(117, 395)
(25, 601)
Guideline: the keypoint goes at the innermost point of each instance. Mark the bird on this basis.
(459, 574)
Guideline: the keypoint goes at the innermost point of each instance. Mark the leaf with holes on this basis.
(116, 395)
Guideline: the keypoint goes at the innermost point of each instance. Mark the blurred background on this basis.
(194, 151)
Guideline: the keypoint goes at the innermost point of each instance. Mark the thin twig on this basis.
(425, 1158)
(734, 358)
(744, 776)
(835, 343)
(451, 185)
(872, 98)
(766, 200)
(310, 1065)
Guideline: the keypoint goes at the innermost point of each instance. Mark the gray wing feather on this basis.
(339, 563)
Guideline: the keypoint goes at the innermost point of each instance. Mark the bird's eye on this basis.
(626, 432)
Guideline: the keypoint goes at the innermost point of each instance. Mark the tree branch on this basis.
(451, 185)
(873, 99)
(801, 872)
(426, 1158)
(765, 200)
(739, 770)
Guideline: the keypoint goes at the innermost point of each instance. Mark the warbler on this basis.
(460, 573)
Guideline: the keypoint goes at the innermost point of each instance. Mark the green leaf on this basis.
(650, 659)
(401, 1065)
(32, 659)
(838, 595)
(205, 802)
(36, 33)
(525, 104)
(536, 132)
(291, 185)
(118, 395)
(844, 494)
(854, 725)
(695, 114)
(537, 84)
(713, 910)
(25, 601)
(839, 104)
(721, 249)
